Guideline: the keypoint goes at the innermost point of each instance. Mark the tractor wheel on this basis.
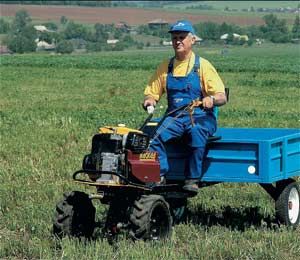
(150, 218)
(74, 216)
(287, 205)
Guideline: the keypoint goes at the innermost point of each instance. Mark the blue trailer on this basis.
(260, 155)
(267, 156)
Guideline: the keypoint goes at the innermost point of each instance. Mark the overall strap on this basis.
(197, 63)
(170, 66)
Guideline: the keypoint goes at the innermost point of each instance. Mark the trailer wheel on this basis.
(287, 205)
(150, 218)
(74, 216)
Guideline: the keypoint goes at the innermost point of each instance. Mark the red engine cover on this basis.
(144, 166)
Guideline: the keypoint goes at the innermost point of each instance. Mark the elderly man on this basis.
(185, 77)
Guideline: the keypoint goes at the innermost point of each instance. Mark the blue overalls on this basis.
(181, 91)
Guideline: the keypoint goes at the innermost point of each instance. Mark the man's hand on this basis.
(208, 102)
(149, 101)
(218, 99)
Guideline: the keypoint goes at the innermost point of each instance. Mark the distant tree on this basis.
(90, 36)
(120, 46)
(57, 37)
(296, 28)
(94, 46)
(108, 27)
(208, 30)
(64, 47)
(46, 36)
(281, 38)
(226, 28)
(117, 34)
(51, 26)
(128, 39)
(22, 35)
(275, 29)
(254, 32)
(20, 44)
(75, 30)
(63, 20)
(143, 29)
(273, 24)
(230, 39)
(100, 32)
(4, 26)
(140, 46)
(250, 42)
(22, 19)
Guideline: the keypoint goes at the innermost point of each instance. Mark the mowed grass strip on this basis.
(50, 107)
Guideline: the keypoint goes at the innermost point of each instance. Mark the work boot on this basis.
(191, 185)
(159, 183)
(162, 180)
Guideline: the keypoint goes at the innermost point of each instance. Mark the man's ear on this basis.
(193, 39)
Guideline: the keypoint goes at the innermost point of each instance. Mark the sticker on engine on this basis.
(149, 156)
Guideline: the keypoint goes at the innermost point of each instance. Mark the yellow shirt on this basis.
(210, 80)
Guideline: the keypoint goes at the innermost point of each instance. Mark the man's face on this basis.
(182, 41)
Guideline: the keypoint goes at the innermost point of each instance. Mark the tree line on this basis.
(274, 30)
(22, 36)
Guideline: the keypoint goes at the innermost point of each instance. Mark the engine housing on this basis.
(123, 154)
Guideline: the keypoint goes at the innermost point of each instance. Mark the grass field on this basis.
(220, 5)
(51, 105)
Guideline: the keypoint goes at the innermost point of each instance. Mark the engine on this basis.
(123, 152)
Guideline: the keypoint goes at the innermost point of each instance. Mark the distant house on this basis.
(167, 43)
(235, 36)
(258, 41)
(42, 45)
(123, 27)
(224, 36)
(198, 39)
(4, 50)
(157, 23)
(244, 37)
(41, 28)
(112, 41)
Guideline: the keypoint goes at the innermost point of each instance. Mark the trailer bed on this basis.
(260, 155)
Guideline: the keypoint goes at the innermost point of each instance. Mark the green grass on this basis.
(220, 5)
(50, 107)
(290, 18)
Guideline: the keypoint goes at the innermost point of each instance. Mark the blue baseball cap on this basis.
(182, 26)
